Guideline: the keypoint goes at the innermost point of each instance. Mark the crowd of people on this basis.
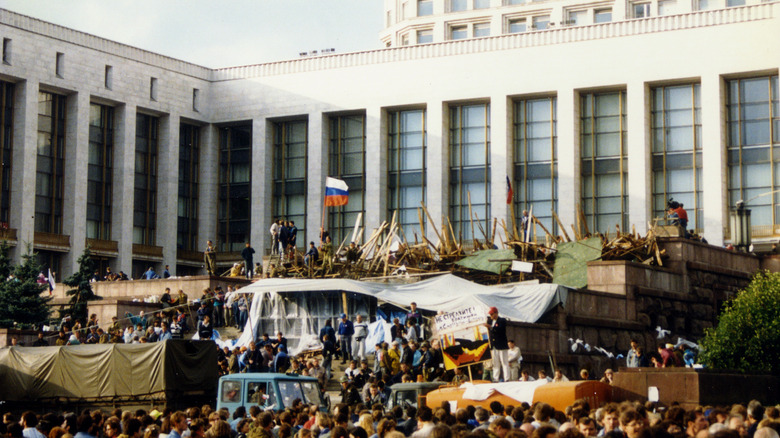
(374, 420)
(179, 316)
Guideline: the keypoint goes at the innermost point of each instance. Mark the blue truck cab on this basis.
(270, 391)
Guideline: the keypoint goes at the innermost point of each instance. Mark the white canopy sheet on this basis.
(520, 391)
(448, 293)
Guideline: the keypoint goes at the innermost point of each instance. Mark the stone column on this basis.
(316, 173)
(639, 185)
(208, 184)
(375, 205)
(168, 190)
(500, 163)
(569, 177)
(714, 171)
(24, 165)
(437, 159)
(75, 181)
(262, 180)
(124, 179)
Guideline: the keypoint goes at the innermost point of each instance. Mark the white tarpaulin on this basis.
(520, 391)
(448, 293)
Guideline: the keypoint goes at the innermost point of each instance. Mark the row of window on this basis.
(753, 151)
(574, 16)
(638, 9)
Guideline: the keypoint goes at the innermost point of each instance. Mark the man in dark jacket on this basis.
(248, 254)
(499, 345)
(346, 330)
(349, 394)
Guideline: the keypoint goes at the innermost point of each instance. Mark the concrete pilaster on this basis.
(168, 190)
(75, 181)
(569, 178)
(437, 192)
(208, 184)
(317, 171)
(375, 205)
(500, 163)
(714, 180)
(124, 178)
(25, 139)
(639, 188)
(262, 168)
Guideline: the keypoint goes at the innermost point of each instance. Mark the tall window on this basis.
(145, 202)
(602, 142)
(458, 5)
(425, 36)
(459, 32)
(235, 187)
(676, 134)
(289, 186)
(753, 136)
(602, 16)
(536, 160)
(481, 30)
(470, 170)
(406, 169)
(6, 130)
(541, 22)
(517, 25)
(424, 7)
(347, 162)
(100, 171)
(189, 168)
(50, 163)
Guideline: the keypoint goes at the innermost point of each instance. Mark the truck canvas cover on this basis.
(115, 371)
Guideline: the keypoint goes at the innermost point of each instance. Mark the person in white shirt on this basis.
(361, 332)
(515, 357)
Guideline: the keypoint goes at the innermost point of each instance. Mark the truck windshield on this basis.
(312, 393)
(405, 398)
(289, 391)
(257, 393)
(231, 391)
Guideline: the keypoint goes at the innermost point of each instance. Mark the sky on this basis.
(219, 33)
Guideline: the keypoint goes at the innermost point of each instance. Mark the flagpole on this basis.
(322, 223)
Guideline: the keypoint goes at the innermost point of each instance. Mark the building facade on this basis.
(144, 157)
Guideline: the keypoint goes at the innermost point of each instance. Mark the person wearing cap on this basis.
(499, 345)
(349, 394)
(361, 332)
(346, 330)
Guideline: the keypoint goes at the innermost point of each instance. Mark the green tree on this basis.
(748, 332)
(21, 299)
(82, 293)
(5, 261)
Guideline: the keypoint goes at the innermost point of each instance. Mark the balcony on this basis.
(51, 241)
(148, 252)
(108, 248)
(8, 234)
(189, 256)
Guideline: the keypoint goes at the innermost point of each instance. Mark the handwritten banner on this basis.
(458, 319)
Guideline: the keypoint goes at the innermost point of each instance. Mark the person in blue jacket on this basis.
(346, 330)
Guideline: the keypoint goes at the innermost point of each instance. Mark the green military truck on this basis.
(174, 373)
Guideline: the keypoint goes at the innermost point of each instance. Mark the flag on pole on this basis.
(336, 192)
(510, 194)
(52, 284)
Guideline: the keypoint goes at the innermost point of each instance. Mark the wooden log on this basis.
(560, 226)
(433, 225)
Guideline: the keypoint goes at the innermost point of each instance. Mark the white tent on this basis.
(448, 293)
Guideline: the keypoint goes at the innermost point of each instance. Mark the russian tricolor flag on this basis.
(336, 192)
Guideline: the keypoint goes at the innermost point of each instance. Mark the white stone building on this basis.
(612, 106)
